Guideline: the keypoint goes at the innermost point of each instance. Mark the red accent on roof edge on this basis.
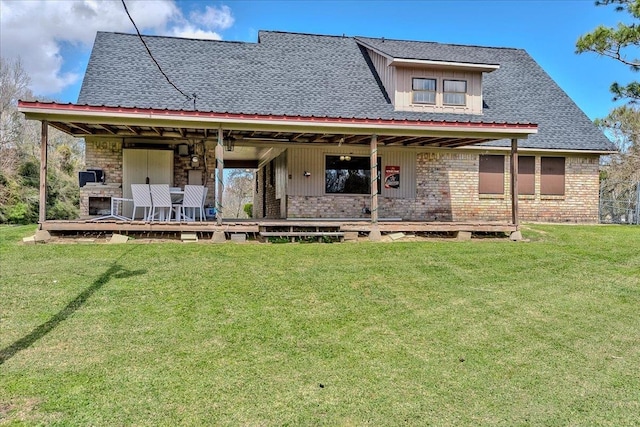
(275, 117)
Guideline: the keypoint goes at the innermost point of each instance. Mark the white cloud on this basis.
(214, 18)
(36, 30)
(190, 32)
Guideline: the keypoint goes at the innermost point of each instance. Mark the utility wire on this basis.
(154, 59)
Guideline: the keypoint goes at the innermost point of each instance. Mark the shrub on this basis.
(21, 213)
(248, 209)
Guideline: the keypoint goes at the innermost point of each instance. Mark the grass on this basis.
(436, 333)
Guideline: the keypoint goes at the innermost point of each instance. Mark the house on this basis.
(452, 133)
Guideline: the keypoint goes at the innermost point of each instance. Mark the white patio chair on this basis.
(192, 200)
(116, 210)
(141, 199)
(161, 200)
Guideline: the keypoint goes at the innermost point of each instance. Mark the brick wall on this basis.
(107, 155)
(447, 190)
(265, 182)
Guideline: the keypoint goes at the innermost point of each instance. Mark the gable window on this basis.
(349, 175)
(424, 91)
(552, 176)
(491, 174)
(454, 92)
(526, 175)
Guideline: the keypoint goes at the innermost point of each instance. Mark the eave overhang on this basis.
(393, 61)
(85, 120)
(445, 65)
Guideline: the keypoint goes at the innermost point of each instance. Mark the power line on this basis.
(154, 59)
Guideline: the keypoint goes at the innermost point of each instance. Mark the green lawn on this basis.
(483, 332)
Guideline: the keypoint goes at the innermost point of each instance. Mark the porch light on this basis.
(345, 158)
(230, 144)
(194, 161)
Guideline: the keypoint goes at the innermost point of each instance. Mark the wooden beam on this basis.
(219, 176)
(374, 234)
(355, 139)
(158, 131)
(241, 164)
(438, 142)
(468, 142)
(374, 178)
(133, 130)
(44, 142)
(182, 131)
(401, 140)
(108, 129)
(382, 139)
(64, 128)
(83, 128)
(514, 182)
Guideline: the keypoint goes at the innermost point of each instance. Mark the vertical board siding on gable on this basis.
(404, 77)
(312, 160)
(387, 74)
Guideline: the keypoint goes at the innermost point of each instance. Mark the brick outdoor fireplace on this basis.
(95, 198)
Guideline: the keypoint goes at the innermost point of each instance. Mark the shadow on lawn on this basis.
(115, 271)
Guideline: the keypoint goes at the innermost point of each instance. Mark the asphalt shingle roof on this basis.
(323, 76)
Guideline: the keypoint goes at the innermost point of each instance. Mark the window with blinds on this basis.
(423, 91)
(454, 92)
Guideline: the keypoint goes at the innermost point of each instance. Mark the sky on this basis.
(53, 38)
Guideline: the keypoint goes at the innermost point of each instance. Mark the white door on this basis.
(140, 165)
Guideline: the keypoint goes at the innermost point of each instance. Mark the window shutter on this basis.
(491, 174)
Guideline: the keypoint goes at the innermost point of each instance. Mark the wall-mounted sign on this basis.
(392, 177)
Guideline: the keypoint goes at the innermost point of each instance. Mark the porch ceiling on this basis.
(255, 130)
(249, 137)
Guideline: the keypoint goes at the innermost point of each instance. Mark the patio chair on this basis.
(116, 210)
(192, 200)
(161, 200)
(141, 199)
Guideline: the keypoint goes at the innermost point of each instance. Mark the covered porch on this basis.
(224, 140)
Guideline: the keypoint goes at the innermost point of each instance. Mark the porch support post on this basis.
(375, 234)
(44, 142)
(219, 175)
(514, 183)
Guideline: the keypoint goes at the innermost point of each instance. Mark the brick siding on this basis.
(447, 190)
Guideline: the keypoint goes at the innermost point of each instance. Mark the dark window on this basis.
(526, 175)
(454, 92)
(424, 91)
(349, 175)
(552, 176)
(491, 174)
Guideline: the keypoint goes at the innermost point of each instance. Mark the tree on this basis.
(237, 193)
(20, 157)
(616, 43)
(620, 176)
